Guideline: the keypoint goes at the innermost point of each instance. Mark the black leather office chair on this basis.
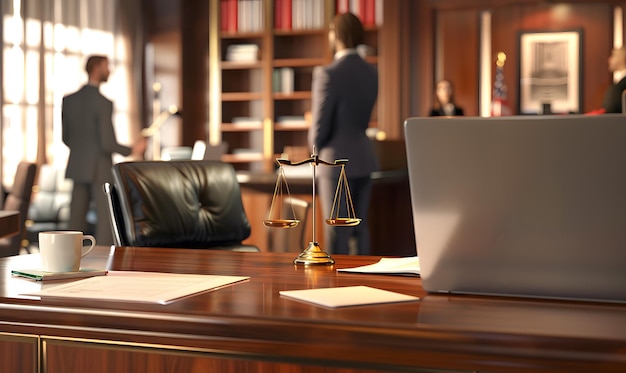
(49, 208)
(185, 204)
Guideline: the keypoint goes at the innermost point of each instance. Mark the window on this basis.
(45, 43)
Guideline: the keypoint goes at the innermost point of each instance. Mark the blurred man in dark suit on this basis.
(88, 132)
(344, 93)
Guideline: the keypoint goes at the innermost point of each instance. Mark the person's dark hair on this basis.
(348, 29)
(437, 103)
(94, 61)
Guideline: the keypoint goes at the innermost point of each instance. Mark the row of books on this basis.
(241, 15)
(283, 80)
(247, 15)
(299, 14)
(370, 12)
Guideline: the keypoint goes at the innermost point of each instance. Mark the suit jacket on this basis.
(612, 102)
(344, 93)
(440, 113)
(88, 131)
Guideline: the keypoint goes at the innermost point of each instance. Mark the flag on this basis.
(499, 104)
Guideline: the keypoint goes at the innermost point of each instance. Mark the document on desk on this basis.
(408, 266)
(347, 296)
(146, 287)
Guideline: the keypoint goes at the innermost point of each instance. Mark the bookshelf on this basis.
(260, 103)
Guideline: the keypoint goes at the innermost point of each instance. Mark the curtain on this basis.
(45, 45)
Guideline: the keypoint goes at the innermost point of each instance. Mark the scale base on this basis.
(313, 254)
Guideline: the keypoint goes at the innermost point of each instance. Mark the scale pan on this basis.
(281, 223)
(343, 222)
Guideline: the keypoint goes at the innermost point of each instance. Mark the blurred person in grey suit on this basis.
(344, 93)
(88, 132)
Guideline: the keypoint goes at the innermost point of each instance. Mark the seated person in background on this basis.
(612, 102)
(444, 101)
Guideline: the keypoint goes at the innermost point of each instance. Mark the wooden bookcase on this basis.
(253, 89)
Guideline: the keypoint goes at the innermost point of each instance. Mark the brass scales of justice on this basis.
(313, 253)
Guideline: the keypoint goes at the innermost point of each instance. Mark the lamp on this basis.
(155, 126)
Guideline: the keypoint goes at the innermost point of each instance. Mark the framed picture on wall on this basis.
(550, 72)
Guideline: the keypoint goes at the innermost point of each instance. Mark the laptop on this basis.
(530, 206)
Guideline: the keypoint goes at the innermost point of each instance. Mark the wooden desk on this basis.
(249, 327)
(9, 223)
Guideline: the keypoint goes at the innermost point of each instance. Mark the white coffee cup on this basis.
(61, 251)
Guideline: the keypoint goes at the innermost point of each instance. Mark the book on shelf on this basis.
(276, 80)
(370, 12)
(282, 14)
(286, 79)
(291, 120)
(241, 16)
(278, 21)
(247, 153)
(228, 14)
(298, 14)
(378, 12)
(250, 16)
(283, 80)
(247, 121)
(242, 53)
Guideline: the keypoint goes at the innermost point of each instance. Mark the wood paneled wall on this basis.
(195, 52)
(594, 19)
(457, 51)
(456, 46)
(444, 41)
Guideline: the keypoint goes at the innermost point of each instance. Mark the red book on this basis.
(362, 10)
(343, 6)
(224, 15)
(357, 8)
(278, 16)
(369, 15)
(232, 16)
(286, 14)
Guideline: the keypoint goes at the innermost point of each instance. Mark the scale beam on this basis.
(313, 253)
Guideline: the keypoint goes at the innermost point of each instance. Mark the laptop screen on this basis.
(523, 206)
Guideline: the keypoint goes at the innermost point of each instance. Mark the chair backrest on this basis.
(52, 197)
(116, 218)
(290, 239)
(18, 199)
(186, 204)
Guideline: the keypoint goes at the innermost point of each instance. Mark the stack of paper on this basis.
(390, 266)
(150, 287)
(347, 296)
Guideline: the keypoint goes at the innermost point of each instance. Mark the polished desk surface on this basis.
(9, 223)
(251, 319)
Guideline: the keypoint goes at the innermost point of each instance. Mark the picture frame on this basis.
(550, 72)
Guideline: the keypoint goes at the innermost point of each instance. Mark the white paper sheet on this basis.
(147, 287)
(347, 296)
(389, 266)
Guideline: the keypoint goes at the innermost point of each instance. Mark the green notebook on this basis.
(40, 275)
